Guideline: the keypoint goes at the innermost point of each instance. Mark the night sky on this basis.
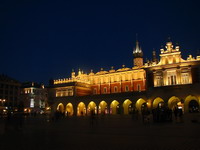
(40, 40)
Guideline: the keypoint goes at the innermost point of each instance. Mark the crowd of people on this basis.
(159, 114)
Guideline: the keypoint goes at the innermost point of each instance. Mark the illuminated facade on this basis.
(171, 80)
(34, 97)
(172, 69)
(105, 82)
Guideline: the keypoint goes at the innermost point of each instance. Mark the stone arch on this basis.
(157, 101)
(187, 103)
(81, 109)
(114, 107)
(92, 107)
(103, 107)
(69, 109)
(60, 107)
(174, 102)
(140, 103)
(127, 105)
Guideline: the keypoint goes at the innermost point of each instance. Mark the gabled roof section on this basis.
(170, 55)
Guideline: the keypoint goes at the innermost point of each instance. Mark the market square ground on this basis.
(105, 132)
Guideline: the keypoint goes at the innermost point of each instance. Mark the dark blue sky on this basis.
(40, 40)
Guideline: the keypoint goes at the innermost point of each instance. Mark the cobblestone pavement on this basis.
(117, 132)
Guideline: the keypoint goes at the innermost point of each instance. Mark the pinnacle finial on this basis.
(136, 37)
(169, 39)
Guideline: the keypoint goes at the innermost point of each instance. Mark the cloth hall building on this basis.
(169, 81)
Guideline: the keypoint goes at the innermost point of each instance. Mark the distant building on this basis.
(170, 81)
(9, 91)
(34, 96)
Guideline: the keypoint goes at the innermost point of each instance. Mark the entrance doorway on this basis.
(193, 106)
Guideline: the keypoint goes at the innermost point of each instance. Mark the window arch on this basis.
(105, 90)
(115, 89)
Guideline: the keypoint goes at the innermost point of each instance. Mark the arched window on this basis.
(115, 89)
(95, 91)
(126, 88)
(105, 90)
(138, 87)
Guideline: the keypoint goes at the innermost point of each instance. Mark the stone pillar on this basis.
(178, 76)
(75, 110)
(165, 77)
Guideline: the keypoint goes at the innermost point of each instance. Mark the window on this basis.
(115, 89)
(158, 81)
(58, 93)
(95, 91)
(32, 103)
(185, 78)
(65, 93)
(171, 77)
(105, 90)
(126, 88)
(139, 87)
(70, 92)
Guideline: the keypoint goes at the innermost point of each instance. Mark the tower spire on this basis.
(138, 55)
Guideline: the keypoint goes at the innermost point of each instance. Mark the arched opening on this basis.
(103, 109)
(69, 109)
(81, 109)
(114, 107)
(174, 102)
(158, 102)
(141, 104)
(60, 108)
(191, 104)
(92, 108)
(127, 105)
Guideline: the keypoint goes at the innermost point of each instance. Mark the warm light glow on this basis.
(113, 107)
(69, 109)
(92, 107)
(173, 102)
(156, 101)
(103, 107)
(139, 104)
(60, 107)
(48, 108)
(127, 106)
(81, 109)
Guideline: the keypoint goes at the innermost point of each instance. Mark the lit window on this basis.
(70, 92)
(58, 93)
(159, 81)
(185, 78)
(32, 103)
(171, 76)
